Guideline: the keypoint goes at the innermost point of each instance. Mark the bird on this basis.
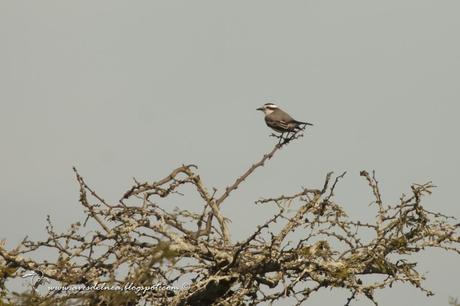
(279, 120)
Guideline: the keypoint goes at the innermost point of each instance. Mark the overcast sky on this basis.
(124, 89)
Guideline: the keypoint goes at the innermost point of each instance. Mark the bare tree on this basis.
(454, 302)
(139, 251)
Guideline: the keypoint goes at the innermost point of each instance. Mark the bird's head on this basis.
(268, 108)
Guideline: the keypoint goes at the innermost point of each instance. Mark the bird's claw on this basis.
(285, 139)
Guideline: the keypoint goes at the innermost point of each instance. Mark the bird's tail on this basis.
(304, 123)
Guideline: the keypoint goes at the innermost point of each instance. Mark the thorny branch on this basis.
(308, 245)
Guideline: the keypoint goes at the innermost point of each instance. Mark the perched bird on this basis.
(279, 120)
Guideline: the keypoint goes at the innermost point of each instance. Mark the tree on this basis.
(143, 252)
(454, 302)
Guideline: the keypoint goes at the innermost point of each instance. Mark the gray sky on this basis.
(126, 89)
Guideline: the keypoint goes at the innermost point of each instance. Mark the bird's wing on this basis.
(277, 125)
(288, 119)
(283, 116)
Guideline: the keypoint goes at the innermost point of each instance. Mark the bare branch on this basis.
(186, 257)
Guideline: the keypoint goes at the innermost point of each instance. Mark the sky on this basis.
(124, 89)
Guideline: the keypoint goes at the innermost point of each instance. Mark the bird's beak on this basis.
(260, 108)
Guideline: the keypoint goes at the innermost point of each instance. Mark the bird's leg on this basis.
(286, 138)
(281, 138)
